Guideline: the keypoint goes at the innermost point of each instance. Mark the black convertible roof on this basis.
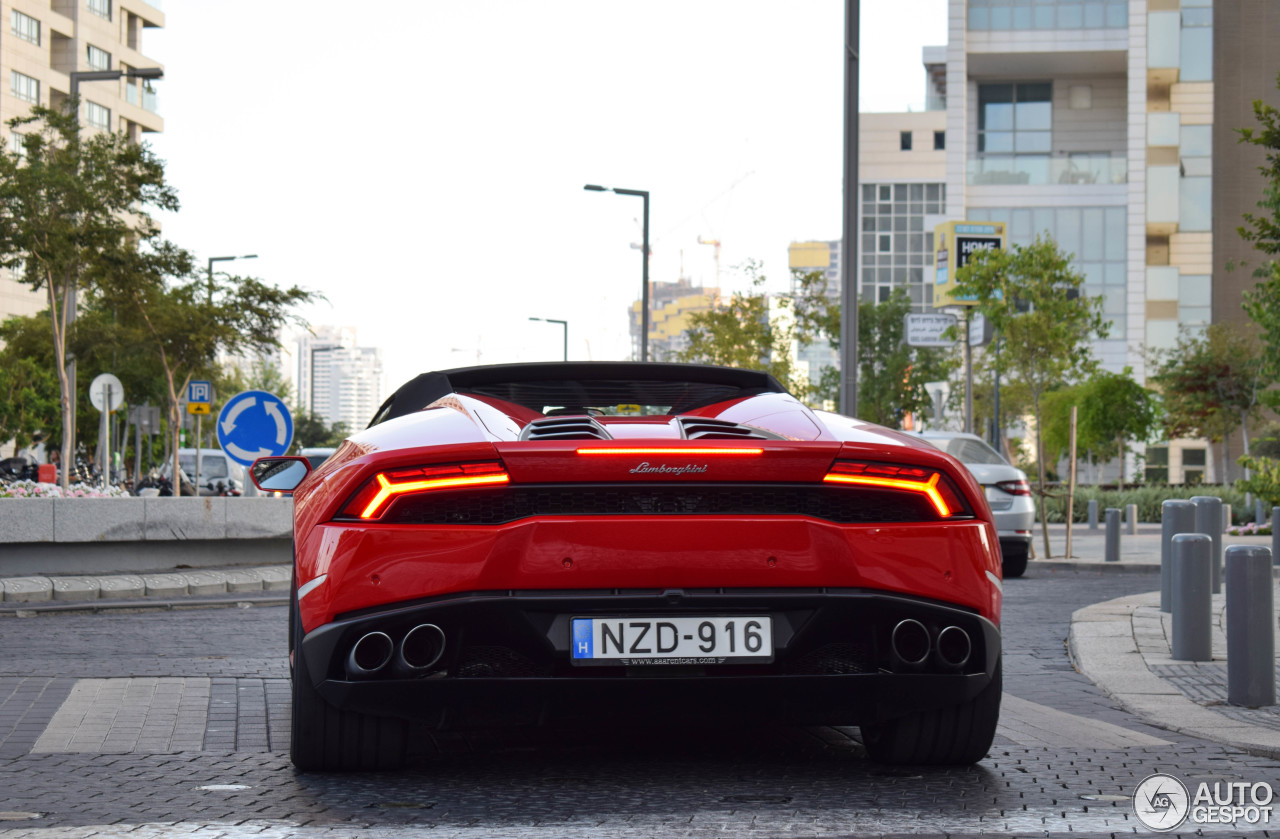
(682, 387)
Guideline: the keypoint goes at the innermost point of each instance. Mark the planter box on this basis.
(133, 535)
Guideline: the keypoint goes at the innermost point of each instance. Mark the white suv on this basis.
(1008, 493)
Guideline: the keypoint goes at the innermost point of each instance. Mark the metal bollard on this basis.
(1131, 519)
(1275, 535)
(1208, 522)
(1192, 598)
(1113, 534)
(1093, 514)
(1251, 640)
(1226, 517)
(1176, 516)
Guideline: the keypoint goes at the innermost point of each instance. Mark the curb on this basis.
(1104, 647)
(89, 589)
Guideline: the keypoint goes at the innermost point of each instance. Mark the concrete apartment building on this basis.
(336, 379)
(41, 44)
(1110, 125)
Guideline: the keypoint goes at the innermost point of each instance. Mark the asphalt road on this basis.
(176, 724)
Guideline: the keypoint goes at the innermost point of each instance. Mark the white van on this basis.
(219, 474)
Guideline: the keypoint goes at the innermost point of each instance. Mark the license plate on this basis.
(672, 640)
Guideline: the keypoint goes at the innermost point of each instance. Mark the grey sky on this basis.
(421, 163)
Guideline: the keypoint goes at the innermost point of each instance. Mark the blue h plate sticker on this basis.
(582, 639)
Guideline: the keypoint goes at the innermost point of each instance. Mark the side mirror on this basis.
(279, 474)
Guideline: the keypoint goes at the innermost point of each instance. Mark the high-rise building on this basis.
(1111, 126)
(337, 380)
(41, 44)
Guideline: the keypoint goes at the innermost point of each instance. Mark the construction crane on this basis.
(716, 242)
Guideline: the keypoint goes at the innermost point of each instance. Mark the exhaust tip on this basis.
(369, 654)
(954, 647)
(910, 642)
(421, 648)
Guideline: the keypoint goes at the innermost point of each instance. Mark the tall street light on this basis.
(565, 325)
(73, 102)
(214, 259)
(644, 255)
(849, 243)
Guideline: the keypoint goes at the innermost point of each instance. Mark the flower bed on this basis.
(32, 489)
(1250, 529)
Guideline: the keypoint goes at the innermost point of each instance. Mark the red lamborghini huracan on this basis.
(536, 543)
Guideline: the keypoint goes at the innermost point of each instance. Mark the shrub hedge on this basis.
(1147, 497)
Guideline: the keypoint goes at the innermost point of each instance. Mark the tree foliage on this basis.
(1030, 294)
(1211, 383)
(67, 206)
(188, 320)
(310, 430)
(1113, 412)
(745, 333)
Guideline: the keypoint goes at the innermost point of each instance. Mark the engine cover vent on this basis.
(565, 428)
(699, 428)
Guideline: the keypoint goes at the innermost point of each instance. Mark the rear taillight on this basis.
(376, 495)
(932, 484)
(1018, 487)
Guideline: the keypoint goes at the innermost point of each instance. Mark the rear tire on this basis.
(1013, 561)
(956, 735)
(325, 739)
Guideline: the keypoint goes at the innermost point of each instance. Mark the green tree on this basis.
(891, 374)
(67, 205)
(163, 302)
(744, 333)
(1263, 229)
(1030, 294)
(1118, 412)
(1211, 383)
(309, 430)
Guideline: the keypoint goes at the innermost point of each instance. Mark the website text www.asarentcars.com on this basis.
(1163, 802)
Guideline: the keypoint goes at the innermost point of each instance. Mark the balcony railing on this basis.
(1041, 170)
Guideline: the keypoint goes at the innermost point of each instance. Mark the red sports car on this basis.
(534, 543)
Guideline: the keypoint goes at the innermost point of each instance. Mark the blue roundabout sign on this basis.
(254, 424)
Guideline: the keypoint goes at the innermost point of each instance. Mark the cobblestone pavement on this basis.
(133, 687)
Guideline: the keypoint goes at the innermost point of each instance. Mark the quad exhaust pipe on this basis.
(369, 654)
(417, 653)
(912, 644)
(420, 650)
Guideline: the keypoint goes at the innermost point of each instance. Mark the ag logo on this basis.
(1161, 802)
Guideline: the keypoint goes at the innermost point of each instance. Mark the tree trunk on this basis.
(1244, 431)
(1120, 441)
(1044, 519)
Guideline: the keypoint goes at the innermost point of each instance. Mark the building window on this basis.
(939, 140)
(1015, 133)
(26, 27)
(24, 87)
(98, 116)
(101, 8)
(15, 144)
(1047, 14)
(99, 59)
(904, 140)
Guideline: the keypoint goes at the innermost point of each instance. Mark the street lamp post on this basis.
(73, 102)
(565, 325)
(644, 254)
(214, 259)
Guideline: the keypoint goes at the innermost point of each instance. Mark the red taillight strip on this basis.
(673, 450)
(929, 487)
(388, 490)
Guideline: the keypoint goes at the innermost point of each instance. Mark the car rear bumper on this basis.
(506, 660)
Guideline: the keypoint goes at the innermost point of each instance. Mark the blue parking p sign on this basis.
(254, 424)
(199, 392)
